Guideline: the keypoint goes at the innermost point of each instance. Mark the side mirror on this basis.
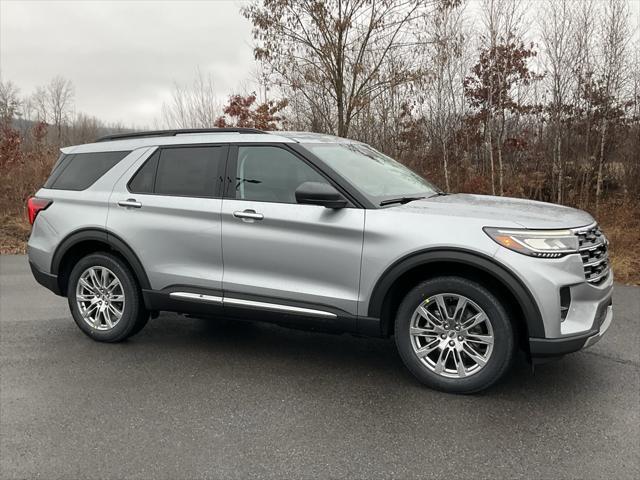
(316, 193)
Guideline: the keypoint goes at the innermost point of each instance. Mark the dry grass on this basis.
(621, 223)
(21, 175)
(14, 233)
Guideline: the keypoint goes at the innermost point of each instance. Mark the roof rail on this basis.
(173, 133)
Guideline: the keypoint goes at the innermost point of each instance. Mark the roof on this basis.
(132, 141)
(312, 137)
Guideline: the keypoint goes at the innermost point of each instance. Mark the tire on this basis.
(103, 323)
(435, 360)
(140, 324)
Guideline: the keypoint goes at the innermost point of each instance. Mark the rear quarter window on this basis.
(80, 171)
(62, 159)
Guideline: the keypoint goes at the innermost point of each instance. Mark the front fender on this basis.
(501, 273)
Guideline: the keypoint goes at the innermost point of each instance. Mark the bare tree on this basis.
(337, 54)
(615, 36)
(84, 129)
(60, 98)
(9, 102)
(444, 92)
(262, 77)
(584, 36)
(39, 105)
(559, 49)
(502, 20)
(194, 106)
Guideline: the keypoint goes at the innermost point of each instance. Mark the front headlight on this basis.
(535, 243)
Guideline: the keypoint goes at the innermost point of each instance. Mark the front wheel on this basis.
(454, 335)
(104, 298)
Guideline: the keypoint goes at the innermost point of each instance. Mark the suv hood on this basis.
(502, 211)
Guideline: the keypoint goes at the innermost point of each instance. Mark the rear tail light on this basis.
(35, 205)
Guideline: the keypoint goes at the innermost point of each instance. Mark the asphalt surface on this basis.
(190, 398)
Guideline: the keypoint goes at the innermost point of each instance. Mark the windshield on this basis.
(371, 172)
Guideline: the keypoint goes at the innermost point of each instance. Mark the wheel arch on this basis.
(413, 268)
(85, 241)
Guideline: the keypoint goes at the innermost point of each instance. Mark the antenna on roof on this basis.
(173, 133)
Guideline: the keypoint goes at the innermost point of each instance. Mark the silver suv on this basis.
(317, 231)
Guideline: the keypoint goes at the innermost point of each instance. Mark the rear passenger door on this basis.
(279, 254)
(167, 209)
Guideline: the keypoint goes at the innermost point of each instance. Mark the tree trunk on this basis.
(586, 138)
(493, 175)
(489, 146)
(500, 164)
(342, 132)
(446, 167)
(600, 163)
(558, 146)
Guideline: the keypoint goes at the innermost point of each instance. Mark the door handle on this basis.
(248, 215)
(130, 202)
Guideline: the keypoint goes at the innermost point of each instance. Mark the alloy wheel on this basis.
(451, 335)
(100, 298)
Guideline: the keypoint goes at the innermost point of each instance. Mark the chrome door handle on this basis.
(248, 214)
(130, 202)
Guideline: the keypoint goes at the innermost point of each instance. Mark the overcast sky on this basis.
(124, 56)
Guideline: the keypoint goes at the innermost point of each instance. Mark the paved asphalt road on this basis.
(192, 398)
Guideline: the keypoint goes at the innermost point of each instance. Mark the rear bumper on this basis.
(541, 348)
(45, 279)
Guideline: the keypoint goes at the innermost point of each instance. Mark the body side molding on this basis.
(231, 301)
(198, 301)
(197, 297)
(278, 307)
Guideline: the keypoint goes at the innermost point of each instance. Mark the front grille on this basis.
(593, 246)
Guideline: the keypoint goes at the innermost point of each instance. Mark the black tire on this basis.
(134, 316)
(504, 344)
(140, 324)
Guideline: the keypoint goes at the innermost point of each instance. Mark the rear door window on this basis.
(181, 171)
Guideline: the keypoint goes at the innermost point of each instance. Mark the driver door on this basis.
(278, 252)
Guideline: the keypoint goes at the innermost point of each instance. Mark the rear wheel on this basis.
(104, 298)
(454, 335)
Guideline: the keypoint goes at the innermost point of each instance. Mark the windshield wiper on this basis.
(438, 194)
(400, 200)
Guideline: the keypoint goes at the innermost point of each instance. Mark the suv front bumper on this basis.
(544, 348)
(575, 313)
